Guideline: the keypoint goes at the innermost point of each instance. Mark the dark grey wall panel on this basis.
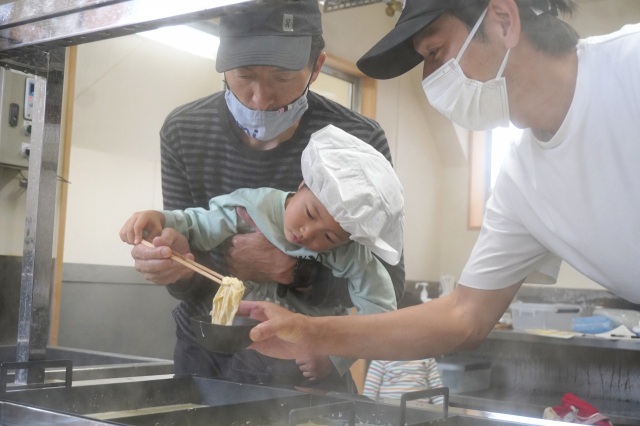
(10, 270)
(112, 309)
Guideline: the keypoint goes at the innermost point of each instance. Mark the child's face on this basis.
(307, 223)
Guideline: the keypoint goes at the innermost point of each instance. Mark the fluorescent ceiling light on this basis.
(187, 39)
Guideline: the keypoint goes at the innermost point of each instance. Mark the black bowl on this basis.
(226, 339)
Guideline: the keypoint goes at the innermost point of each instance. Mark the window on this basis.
(487, 151)
(339, 86)
(343, 74)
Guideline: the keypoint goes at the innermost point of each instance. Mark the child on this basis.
(349, 205)
(390, 379)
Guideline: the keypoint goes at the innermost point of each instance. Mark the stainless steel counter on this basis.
(531, 372)
(530, 405)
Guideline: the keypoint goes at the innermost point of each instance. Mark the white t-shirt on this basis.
(577, 196)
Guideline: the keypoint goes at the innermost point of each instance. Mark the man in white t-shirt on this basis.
(568, 190)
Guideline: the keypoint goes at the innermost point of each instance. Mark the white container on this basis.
(464, 374)
(554, 316)
(624, 317)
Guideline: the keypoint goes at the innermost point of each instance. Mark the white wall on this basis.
(349, 34)
(12, 213)
(419, 167)
(125, 88)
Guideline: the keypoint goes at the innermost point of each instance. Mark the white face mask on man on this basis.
(469, 103)
(266, 125)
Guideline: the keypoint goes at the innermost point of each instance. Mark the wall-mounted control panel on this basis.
(17, 91)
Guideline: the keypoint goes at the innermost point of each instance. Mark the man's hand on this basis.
(252, 257)
(282, 334)
(155, 263)
(315, 367)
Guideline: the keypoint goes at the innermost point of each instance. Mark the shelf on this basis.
(582, 341)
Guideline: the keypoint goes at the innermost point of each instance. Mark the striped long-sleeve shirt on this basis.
(390, 379)
(202, 157)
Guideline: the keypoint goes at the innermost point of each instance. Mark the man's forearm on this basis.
(461, 320)
(411, 333)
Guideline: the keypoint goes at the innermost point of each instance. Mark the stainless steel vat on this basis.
(199, 401)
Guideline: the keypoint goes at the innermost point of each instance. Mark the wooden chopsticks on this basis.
(193, 265)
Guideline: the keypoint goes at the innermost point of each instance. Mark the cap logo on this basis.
(287, 22)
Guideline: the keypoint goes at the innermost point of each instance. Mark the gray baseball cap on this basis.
(278, 33)
(394, 54)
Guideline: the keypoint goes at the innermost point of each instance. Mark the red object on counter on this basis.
(573, 409)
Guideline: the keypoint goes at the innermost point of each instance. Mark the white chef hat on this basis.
(359, 188)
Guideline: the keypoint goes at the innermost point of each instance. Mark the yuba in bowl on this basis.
(226, 339)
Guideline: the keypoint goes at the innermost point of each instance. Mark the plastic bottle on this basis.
(424, 294)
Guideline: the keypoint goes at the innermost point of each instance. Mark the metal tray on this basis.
(91, 365)
(94, 399)
(14, 415)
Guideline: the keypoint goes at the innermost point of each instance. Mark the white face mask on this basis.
(266, 125)
(469, 103)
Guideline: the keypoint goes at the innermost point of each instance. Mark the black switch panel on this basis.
(14, 113)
